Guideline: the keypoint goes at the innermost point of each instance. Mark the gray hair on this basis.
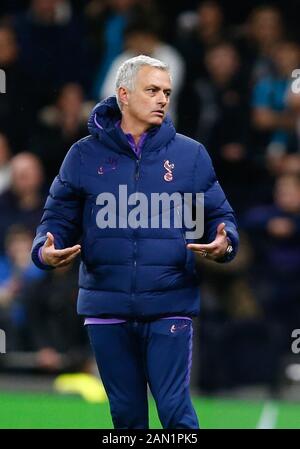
(126, 74)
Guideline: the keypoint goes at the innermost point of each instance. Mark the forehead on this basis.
(24, 163)
(151, 75)
(225, 51)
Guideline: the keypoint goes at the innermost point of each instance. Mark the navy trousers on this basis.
(131, 356)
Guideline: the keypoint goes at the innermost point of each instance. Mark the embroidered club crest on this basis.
(169, 167)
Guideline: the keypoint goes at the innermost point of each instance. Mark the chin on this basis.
(156, 120)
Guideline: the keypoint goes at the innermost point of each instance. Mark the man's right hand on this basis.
(58, 257)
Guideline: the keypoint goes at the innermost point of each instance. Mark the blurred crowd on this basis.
(232, 91)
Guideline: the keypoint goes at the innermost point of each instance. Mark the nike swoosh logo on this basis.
(175, 328)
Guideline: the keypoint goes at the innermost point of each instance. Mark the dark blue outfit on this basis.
(142, 275)
(158, 353)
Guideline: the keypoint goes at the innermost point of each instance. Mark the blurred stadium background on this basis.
(232, 73)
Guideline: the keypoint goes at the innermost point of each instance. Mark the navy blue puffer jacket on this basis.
(141, 273)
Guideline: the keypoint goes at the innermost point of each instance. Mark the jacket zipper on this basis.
(181, 230)
(133, 278)
(182, 233)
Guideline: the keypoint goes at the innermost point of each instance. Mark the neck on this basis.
(135, 129)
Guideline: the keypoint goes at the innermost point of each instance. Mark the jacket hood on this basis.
(102, 123)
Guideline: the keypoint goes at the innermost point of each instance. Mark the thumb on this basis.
(221, 229)
(50, 239)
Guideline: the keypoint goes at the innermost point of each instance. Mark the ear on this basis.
(123, 95)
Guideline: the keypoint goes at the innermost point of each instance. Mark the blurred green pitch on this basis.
(53, 411)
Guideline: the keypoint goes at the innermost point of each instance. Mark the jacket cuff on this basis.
(230, 255)
(37, 259)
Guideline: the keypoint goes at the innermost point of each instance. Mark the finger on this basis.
(213, 255)
(50, 239)
(66, 251)
(221, 229)
(199, 247)
(67, 260)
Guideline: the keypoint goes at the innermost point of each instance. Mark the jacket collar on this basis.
(102, 123)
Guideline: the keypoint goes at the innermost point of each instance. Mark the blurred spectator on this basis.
(51, 47)
(208, 110)
(274, 232)
(109, 19)
(59, 126)
(291, 164)
(207, 31)
(216, 101)
(263, 30)
(142, 37)
(23, 201)
(5, 154)
(273, 119)
(16, 114)
(16, 272)
(56, 331)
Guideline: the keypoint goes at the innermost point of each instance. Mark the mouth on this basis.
(160, 113)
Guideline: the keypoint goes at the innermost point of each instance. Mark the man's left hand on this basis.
(214, 250)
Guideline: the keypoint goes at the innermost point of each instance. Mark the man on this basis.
(138, 289)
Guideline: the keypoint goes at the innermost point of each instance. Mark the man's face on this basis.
(148, 102)
(26, 174)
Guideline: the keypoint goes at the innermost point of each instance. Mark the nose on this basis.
(162, 99)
